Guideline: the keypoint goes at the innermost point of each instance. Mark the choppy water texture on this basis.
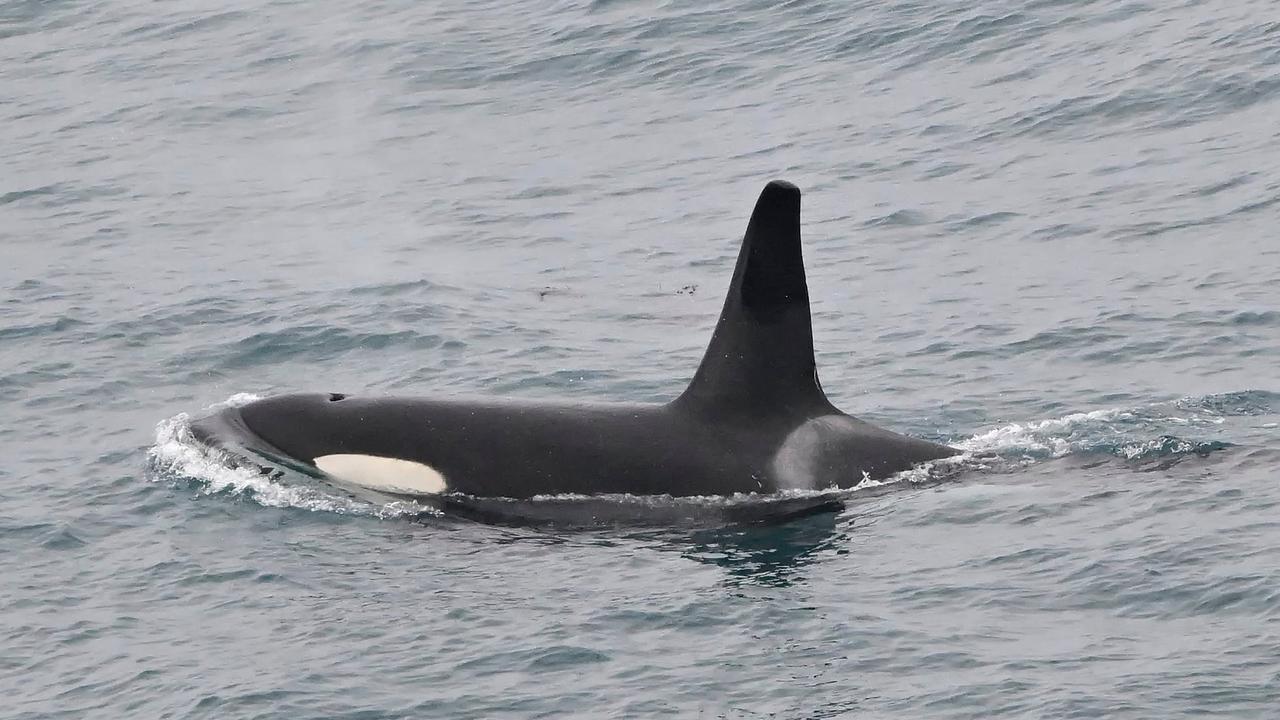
(1042, 230)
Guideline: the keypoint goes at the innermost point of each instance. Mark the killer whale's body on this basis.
(754, 419)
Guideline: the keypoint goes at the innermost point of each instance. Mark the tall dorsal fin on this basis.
(761, 355)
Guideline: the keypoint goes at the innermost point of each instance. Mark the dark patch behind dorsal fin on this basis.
(761, 356)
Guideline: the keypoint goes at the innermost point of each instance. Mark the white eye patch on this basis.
(384, 473)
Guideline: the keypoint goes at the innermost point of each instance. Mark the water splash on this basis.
(1133, 434)
(178, 456)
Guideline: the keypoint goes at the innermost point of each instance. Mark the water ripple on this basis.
(1041, 230)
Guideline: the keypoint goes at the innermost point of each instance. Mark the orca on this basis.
(753, 420)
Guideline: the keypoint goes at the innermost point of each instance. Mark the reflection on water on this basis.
(774, 555)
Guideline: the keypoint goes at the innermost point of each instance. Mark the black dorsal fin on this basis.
(761, 356)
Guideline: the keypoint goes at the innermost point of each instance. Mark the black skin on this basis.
(755, 395)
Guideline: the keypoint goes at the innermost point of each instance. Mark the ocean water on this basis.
(1044, 231)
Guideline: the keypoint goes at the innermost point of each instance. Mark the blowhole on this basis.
(335, 397)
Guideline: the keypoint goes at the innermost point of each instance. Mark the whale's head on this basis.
(329, 433)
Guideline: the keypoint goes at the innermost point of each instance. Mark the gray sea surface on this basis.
(1041, 230)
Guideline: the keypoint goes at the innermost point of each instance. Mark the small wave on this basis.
(1055, 437)
(1133, 434)
(318, 341)
(17, 195)
(1165, 446)
(904, 217)
(1247, 403)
